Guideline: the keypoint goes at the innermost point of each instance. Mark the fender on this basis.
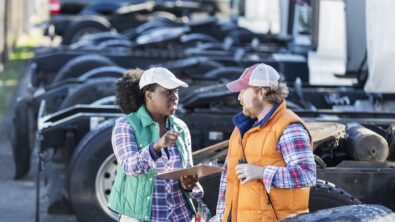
(91, 18)
(105, 8)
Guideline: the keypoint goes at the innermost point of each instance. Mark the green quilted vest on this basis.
(132, 196)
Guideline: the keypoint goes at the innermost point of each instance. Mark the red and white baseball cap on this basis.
(260, 75)
(161, 76)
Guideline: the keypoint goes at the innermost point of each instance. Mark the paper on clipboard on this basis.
(199, 170)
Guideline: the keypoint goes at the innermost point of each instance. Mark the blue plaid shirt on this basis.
(168, 202)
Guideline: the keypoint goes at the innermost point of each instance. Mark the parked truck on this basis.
(352, 125)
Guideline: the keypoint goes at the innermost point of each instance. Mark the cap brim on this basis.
(237, 86)
(173, 83)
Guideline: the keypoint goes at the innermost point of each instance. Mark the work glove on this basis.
(248, 172)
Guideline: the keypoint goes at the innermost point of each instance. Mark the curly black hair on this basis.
(129, 97)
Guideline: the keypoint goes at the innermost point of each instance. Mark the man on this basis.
(270, 165)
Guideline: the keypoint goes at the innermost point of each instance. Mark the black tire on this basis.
(20, 140)
(84, 167)
(322, 196)
(80, 65)
(106, 71)
(352, 213)
(326, 195)
(88, 24)
(90, 91)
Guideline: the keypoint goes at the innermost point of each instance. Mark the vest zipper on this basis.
(230, 214)
(269, 202)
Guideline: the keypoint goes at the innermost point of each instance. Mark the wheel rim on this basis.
(105, 178)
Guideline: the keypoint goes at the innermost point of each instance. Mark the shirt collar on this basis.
(145, 117)
(263, 121)
(244, 123)
(147, 120)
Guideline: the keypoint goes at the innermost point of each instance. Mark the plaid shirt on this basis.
(300, 170)
(168, 202)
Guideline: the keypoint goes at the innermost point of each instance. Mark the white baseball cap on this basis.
(260, 74)
(161, 76)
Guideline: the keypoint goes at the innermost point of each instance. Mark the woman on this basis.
(147, 141)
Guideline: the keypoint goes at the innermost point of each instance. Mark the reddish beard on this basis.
(253, 110)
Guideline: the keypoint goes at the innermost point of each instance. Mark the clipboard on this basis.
(199, 170)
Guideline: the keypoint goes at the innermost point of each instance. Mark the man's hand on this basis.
(168, 139)
(248, 172)
(188, 182)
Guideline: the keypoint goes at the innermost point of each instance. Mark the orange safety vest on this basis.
(248, 202)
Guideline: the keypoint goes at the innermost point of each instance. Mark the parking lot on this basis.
(64, 103)
(18, 197)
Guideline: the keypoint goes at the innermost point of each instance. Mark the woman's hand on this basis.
(188, 182)
(168, 139)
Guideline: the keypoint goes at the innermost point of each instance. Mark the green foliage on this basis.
(14, 68)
